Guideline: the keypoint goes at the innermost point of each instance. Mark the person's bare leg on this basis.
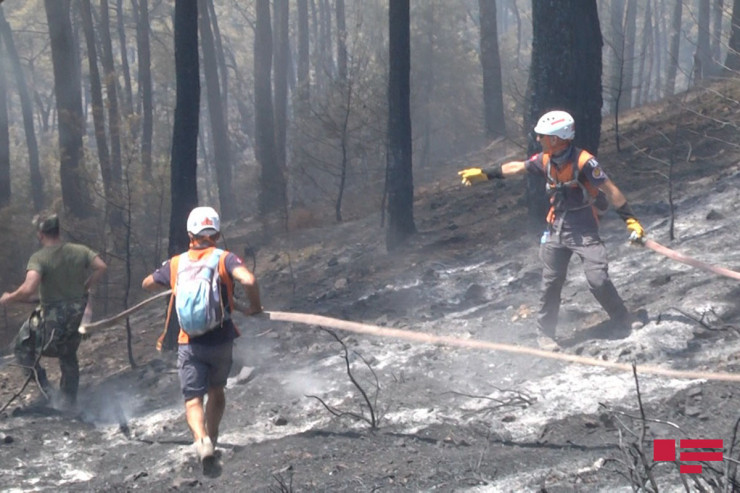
(195, 417)
(214, 412)
(197, 422)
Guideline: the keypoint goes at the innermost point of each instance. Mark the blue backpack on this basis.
(198, 301)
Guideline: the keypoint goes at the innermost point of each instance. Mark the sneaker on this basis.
(547, 343)
(204, 449)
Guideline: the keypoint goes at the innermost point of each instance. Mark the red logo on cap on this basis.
(206, 222)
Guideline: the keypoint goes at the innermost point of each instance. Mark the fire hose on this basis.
(425, 338)
(685, 259)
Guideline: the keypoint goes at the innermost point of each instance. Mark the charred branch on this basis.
(371, 405)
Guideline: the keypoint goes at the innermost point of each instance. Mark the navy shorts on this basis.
(202, 367)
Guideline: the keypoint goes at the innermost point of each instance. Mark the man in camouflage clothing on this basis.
(59, 276)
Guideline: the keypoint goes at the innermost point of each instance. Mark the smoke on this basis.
(107, 406)
(304, 382)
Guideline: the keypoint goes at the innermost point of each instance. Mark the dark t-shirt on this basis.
(64, 269)
(227, 331)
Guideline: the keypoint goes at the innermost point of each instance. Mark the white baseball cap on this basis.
(204, 221)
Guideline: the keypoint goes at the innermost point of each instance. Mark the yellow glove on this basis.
(637, 233)
(472, 175)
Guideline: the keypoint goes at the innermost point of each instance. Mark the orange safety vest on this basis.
(568, 176)
(223, 275)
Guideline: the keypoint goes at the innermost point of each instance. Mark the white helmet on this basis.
(557, 123)
(204, 221)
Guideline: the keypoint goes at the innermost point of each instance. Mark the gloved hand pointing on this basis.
(637, 233)
(472, 175)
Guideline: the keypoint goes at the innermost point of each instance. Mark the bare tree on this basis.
(399, 176)
(304, 83)
(672, 68)
(220, 129)
(128, 91)
(281, 52)
(716, 37)
(733, 53)
(75, 189)
(183, 163)
(630, 33)
(37, 181)
(341, 41)
(220, 56)
(141, 8)
(702, 55)
(564, 75)
(4, 139)
(493, 98)
(644, 71)
(111, 89)
(272, 192)
(96, 97)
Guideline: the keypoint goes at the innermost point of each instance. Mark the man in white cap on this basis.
(577, 186)
(206, 337)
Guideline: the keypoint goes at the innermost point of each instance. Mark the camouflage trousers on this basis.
(51, 331)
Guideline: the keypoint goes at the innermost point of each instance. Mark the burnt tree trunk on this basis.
(702, 55)
(145, 84)
(96, 97)
(399, 176)
(125, 68)
(281, 50)
(304, 83)
(5, 187)
(65, 60)
(341, 41)
(566, 76)
(672, 62)
(37, 181)
(493, 97)
(732, 61)
(183, 163)
(220, 131)
(272, 194)
(220, 56)
(114, 199)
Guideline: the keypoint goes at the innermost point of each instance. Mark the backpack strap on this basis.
(174, 264)
(215, 259)
(229, 283)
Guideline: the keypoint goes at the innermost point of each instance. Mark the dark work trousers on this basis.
(555, 254)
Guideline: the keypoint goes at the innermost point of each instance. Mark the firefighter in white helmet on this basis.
(578, 189)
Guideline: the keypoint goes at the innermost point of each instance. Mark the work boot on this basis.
(547, 343)
(627, 323)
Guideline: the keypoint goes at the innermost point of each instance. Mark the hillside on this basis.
(450, 418)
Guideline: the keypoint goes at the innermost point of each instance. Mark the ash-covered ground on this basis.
(446, 418)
